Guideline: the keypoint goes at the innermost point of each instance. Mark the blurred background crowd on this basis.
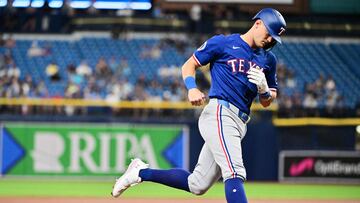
(316, 76)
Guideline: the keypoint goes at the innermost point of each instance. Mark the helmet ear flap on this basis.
(270, 45)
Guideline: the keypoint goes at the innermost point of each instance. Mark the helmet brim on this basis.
(272, 34)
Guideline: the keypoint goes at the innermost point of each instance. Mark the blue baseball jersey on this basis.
(230, 58)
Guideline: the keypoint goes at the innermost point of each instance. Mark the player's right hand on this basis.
(257, 77)
(196, 97)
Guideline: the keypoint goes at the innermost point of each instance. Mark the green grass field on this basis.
(41, 188)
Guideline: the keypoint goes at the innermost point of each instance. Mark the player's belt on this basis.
(243, 116)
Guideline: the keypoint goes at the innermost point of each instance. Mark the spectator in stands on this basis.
(102, 70)
(84, 69)
(150, 52)
(10, 42)
(176, 90)
(296, 99)
(322, 94)
(9, 69)
(330, 104)
(317, 96)
(124, 70)
(28, 87)
(47, 49)
(113, 91)
(319, 86)
(286, 104)
(3, 69)
(35, 50)
(8, 57)
(154, 89)
(142, 81)
(13, 70)
(73, 76)
(139, 93)
(27, 90)
(102, 74)
(290, 79)
(330, 84)
(72, 90)
(310, 88)
(168, 71)
(3, 86)
(41, 90)
(181, 45)
(155, 52)
(92, 90)
(52, 71)
(113, 64)
(310, 103)
(2, 41)
(281, 74)
(341, 109)
(126, 88)
(145, 52)
(14, 90)
(71, 69)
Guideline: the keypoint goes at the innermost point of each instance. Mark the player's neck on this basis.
(247, 37)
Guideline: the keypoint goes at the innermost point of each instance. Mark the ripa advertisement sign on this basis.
(54, 149)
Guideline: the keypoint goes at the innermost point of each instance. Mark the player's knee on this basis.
(198, 190)
(197, 187)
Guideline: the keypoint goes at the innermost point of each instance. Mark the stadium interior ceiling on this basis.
(304, 18)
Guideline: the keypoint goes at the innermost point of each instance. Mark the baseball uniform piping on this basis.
(222, 140)
(196, 60)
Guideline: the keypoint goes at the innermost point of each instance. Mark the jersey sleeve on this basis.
(209, 50)
(271, 74)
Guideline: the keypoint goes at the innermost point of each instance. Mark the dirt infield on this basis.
(150, 200)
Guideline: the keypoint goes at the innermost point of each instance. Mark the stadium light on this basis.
(37, 3)
(56, 3)
(21, 3)
(140, 6)
(3, 3)
(122, 5)
(110, 5)
(84, 4)
(80, 4)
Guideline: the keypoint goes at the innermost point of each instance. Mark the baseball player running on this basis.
(242, 67)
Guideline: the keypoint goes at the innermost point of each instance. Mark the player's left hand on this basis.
(257, 77)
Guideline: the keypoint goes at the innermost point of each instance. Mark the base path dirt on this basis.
(150, 200)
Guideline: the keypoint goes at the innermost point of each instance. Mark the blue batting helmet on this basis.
(273, 21)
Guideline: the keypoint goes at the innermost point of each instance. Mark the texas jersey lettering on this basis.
(230, 58)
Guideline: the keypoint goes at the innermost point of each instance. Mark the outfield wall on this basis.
(88, 149)
(102, 147)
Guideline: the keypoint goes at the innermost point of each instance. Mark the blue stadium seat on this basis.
(307, 59)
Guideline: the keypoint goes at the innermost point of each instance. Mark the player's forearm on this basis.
(266, 102)
(195, 96)
(188, 69)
